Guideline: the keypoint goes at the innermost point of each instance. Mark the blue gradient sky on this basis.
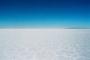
(45, 13)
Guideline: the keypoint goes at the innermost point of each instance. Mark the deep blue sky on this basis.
(45, 13)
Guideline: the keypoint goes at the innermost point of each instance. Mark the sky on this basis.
(44, 13)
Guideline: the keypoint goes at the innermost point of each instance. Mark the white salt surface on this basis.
(44, 44)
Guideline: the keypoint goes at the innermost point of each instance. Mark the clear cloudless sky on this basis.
(45, 13)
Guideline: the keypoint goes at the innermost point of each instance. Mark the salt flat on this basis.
(44, 44)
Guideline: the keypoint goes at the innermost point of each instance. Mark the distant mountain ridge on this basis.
(78, 28)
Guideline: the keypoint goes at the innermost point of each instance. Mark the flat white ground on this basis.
(44, 44)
